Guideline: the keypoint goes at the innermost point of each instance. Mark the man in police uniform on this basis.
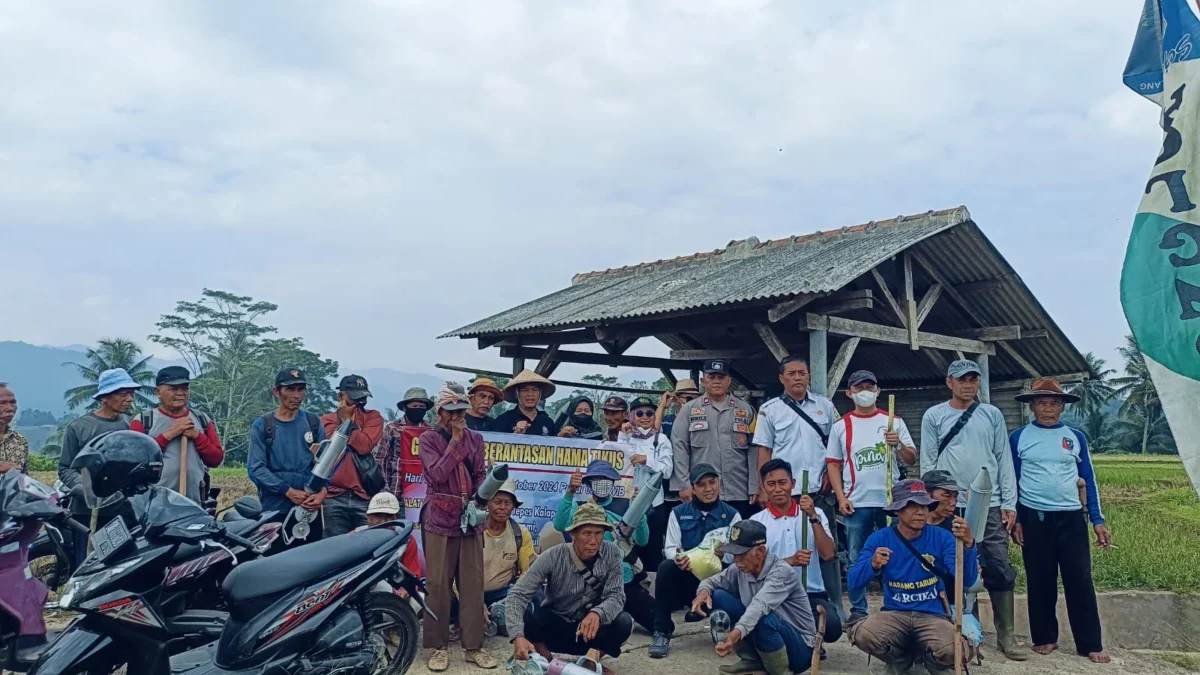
(715, 429)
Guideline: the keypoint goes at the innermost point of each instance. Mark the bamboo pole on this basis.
(891, 425)
(183, 463)
(804, 530)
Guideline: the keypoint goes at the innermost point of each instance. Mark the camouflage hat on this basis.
(589, 514)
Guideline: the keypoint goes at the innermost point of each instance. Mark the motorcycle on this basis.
(25, 504)
(306, 610)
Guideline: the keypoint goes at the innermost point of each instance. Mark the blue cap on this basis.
(860, 376)
(599, 468)
(963, 367)
(114, 380)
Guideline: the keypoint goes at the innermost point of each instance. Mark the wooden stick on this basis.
(804, 531)
(958, 601)
(818, 640)
(183, 462)
(888, 449)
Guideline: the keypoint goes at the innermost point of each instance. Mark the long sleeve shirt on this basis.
(566, 513)
(1048, 462)
(288, 464)
(78, 433)
(567, 594)
(658, 451)
(983, 442)
(673, 541)
(206, 447)
(365, 435)
(907, 585)
(776, 589)
(454, 470)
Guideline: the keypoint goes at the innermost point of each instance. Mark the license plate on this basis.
(110, 539)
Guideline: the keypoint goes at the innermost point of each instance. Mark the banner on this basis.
(1160, 281)
(541, 467)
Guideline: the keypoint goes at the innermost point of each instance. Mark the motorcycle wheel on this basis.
(395, 633)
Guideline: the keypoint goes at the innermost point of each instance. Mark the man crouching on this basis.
(911, 559)
(585, 592)
(772, 622)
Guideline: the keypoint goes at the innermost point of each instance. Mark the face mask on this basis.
(414, 416)
(579, 421)
(866, 398)
(602, 488)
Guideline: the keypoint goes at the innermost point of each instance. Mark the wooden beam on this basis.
(670, 376)
(840, 362)
(1012, 354)
(927, 302)
(1028, 333)
(959, 355)
(772, 341)
(839, 306)
(887, 296)
(992, 333)
(788, 307)
(547, 364)
(947, 287)
(818, 355)
(561, 383)
(706, 354)
(935, 357)
(985, 379)
(618, 347)
(880, 333)
(590, 358)
(910, 304)
(583, 336)
(997, 385)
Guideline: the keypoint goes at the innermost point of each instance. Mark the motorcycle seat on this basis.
(238, 527)
(302, 566)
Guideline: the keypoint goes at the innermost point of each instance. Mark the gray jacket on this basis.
(776, 590)
(709, 432)
(567, 595)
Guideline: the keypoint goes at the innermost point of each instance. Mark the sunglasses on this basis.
(643, 413)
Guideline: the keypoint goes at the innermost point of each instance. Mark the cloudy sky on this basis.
(388, 171)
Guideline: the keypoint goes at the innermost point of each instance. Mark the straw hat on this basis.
(1046, 386)
(589, 514)
(686, 386)
(528, 377)
(486, 384)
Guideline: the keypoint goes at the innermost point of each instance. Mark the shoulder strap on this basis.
(147, 420)
(518, 539)
(804, 416)
(268, 435)
(936, 568)
(314, 423)
(958, 426)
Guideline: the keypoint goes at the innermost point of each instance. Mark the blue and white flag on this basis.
(1160, 282)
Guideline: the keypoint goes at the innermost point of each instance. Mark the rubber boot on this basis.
(898, 668)
(748, 662)
(1003, 614)
(776, 662)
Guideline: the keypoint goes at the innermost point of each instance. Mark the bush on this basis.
(43, 463)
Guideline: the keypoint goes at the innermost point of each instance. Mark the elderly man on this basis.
(484, 395)
(914, 625)
(14, 448)
(170, 423)
(452, 456)
(671, 403)
(114, 393)
(717, 432)
(616, 416)
(959, 437)
(1050, 459)
(773, 624)
(941, 486)
(390, 449)
(690, 522)
(527, 390)
(584, 595)
(346, 507)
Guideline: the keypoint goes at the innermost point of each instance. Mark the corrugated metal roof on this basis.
(746, 271)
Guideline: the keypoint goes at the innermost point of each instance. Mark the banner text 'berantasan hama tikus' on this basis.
(541, 467)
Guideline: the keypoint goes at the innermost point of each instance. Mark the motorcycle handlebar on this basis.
(237, 539)
(76, 525)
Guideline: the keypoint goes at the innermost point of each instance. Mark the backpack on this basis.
(369, 475)
(314, 425)
(518, 538)
(147, 419)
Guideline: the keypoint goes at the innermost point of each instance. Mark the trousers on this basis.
(639, 604)
(1058, 542)
(673, 588)
(651, 554)
(449, 560)
(860, 525)
(343, 513)
(558, 634)
(905, 638)
(771, 634)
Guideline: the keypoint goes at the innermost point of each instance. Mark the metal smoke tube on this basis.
(475, 512)
(979, 500)
(329, 453)
(640, 506)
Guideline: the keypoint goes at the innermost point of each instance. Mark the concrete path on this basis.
(692, 654)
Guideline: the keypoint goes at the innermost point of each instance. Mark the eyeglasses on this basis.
(643, 413)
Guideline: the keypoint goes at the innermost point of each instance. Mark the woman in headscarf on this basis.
(577, 421)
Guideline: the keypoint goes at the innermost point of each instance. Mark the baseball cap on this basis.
(384, 503)
(172, 375)
(938, 479)
(354, 386)
(745, 535)
(909, 491)
(719, 366)
(963, 367)
(615, 404)
(860, 376)
(289, 376)
(642, 402)
(701, 470)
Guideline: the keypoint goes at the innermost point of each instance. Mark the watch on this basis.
(814, 521)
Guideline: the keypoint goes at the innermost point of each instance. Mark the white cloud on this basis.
(371, 159)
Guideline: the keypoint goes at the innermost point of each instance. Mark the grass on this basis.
(1154, 515)
(1184, 660)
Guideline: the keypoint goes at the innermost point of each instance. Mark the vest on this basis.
(694, 523)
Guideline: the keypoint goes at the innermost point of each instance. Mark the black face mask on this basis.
(414, 415)
(581, 421)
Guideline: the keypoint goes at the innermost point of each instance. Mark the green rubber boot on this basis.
(1003, 613)
(748, 661)
(776, 662)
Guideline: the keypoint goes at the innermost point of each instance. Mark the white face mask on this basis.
(865, 398)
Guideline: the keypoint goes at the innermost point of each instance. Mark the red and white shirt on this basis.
(856, 442)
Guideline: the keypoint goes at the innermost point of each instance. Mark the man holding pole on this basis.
(188, 438)
(863, 454)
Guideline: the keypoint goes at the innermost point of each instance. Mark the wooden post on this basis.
(910, 305)
(958, 606)
(818, 360)
(183, 462)
(985, 380)
(518, 365)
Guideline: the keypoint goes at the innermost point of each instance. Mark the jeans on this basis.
(343, 513)
(771, 634)
(859, 526)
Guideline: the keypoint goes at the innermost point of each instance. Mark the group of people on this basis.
(772, 485)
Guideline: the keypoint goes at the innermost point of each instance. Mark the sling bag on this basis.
(958, 426)
(935, 569)
(804, 416)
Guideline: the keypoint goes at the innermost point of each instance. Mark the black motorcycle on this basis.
(312, 609)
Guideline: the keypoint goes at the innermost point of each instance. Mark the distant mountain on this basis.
(37, 374)
(388, 386)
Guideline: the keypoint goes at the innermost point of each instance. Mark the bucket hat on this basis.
(528, 377)
(599, 468)
(687, 386)
(114, 380)
(909, 491)
(510, 488)
(415, 395)
(1046, 386)
(589, 514)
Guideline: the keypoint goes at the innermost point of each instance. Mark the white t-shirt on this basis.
(857, 442)
(783, 540)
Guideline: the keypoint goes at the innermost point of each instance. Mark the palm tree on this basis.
(1141, 397)
(111, 353)
(1145, 429)
(1097, 427)
(1095, 391)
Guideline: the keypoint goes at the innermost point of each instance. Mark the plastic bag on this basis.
(704, 559)
(971, 629)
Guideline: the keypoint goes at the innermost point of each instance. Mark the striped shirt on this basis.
(567, 594)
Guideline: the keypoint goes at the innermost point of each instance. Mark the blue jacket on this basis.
(907, 586)
(694, 523)
(289, 464)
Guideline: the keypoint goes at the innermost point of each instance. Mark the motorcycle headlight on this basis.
(83, 585)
